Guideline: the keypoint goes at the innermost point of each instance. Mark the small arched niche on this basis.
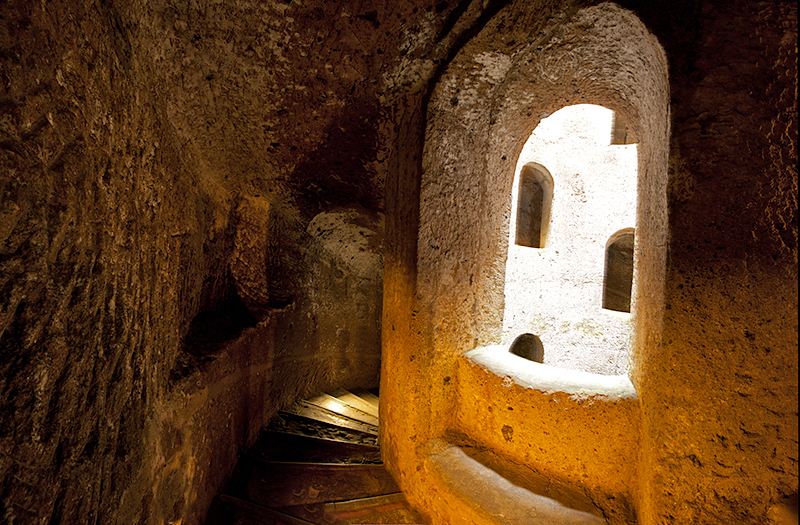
(534, 201)
(528, 346)
(618, 275)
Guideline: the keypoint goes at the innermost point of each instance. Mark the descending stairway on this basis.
(316, 463)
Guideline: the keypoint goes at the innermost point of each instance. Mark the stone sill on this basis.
(577, 428)
(549, 379)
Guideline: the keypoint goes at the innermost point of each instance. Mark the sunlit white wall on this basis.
(556, 292)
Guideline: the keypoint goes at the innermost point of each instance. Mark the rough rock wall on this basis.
(103, 258)
(160, 291)
(720, 395)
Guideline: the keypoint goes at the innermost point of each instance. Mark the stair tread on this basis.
(306, 409)
(318, 463)
(229, 510)
(298, 424)
(355, 401)
(367, 396)
(338, 406)
(281, 484)
(274, 445)
(390, 508)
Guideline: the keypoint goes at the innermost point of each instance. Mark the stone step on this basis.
(532, 500)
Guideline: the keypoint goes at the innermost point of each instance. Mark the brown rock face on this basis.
(198, 201)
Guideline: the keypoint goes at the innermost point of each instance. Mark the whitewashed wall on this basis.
(556, 292)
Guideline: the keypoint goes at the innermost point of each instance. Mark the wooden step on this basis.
(333, 404)
(306, 409)
(295, 424)
(367, 396)
(281, 446)
(355, 401)
(276, 484)
(228, 510)
(390, 508)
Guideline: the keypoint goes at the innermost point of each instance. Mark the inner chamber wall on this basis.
(555, 291)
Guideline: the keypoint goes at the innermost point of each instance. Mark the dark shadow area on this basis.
(209, 332)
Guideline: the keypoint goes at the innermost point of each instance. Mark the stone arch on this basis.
(484, 106)
(481, 112)
(534, 203)
(618, 275)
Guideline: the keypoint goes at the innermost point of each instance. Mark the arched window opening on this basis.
(618, 279)
(558, 291)
(533, 206)
(528, 346)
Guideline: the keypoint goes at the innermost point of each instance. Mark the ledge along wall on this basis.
(579, 430)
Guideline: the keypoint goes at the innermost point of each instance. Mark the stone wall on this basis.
(161, 293)
(719, 393)
(714, 358)
(163, 290)
(106, 246)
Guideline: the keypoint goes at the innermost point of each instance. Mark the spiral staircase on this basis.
(319, 463)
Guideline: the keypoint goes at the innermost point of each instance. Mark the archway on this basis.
(486, 103)
(557, 290)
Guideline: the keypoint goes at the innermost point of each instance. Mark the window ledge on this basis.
(549, 379)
